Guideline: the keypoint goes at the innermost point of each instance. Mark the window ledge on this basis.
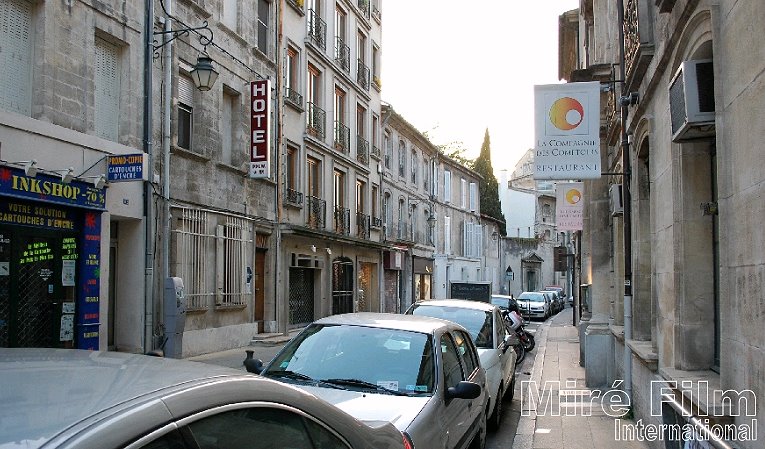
(645, 351)
(237, 170)
(189, 154)
(699, 387)
(226, 307)
(618, 332)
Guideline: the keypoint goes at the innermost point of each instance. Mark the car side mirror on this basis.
(464, 390)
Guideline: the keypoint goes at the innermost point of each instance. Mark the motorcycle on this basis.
(526, 340)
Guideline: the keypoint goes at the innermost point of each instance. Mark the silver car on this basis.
(492, 339)
(68, 398)
(422, 374)
(534, 305)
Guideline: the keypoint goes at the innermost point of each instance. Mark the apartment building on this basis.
(330, 212)
(671, 253)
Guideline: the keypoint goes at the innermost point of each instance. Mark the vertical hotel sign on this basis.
(569, 206)
(567, 131)
(260, 132)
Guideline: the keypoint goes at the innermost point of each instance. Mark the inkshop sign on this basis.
(50, 189)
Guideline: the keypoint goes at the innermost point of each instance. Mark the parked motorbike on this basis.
(525, 338)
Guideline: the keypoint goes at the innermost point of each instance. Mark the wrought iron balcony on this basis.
(317, 210)
(638, 43)
(362, 74)
(317, 30)
(376, 9)
(342, 137)
(293, 196)
(342, 220)
(342, 54)
(317, 119)
(362, 225)
(294, 98)
(362, 150)
(375, 152)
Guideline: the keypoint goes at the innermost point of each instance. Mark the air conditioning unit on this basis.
(692, 101)
(615, 199)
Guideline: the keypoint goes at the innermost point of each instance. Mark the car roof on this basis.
(64, 396)
(398, 321)
(459, 303)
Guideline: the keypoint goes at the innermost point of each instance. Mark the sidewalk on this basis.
(264, 347)
(580, 423)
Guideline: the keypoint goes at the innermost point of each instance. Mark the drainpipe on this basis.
(148, 211)
(167, 96)
(277, 194)
(627, 215)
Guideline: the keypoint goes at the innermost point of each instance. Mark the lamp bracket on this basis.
(204, 32)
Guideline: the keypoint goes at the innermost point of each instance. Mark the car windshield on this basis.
(477, 322)
(533, 297)
(358, 358)
(501, 302)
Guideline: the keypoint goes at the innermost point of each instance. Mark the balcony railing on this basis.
(342, 54)
(317, 30)
(377, 222)
(375, 152)
(342, 137)
(376, 9)
(362, 150)
(294, 98)
(317, 210)
(362, 74)
(316, 125)
(342, 220)
(293, 196)
(362, 225)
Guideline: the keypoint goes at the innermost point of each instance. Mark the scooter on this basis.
(527, 341)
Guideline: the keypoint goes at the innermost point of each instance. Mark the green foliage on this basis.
(489, 187)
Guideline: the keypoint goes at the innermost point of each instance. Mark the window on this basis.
(473, 197)
(447, 186)
(339, 105)
(230, 13)
(468, 355)
(386, 213)
(361, 47)
(375, 194)
(388, 148)
(342, 132)
(261, 428)
(292, 158)
(291, 77)
(360, 193)
(228, 125)
(234, 236)
(401, 158)
(106, 95)
(263, 20)
(451, 363)
(472, 239)
(463, 193)
(376, 65)
(447, 235)
(414, 166)
(313, 87)
(315, 116)
(339, 189)
(434, 171)
(193, 239)
(375, 134)
(314, 177)
(16, 47)
(185, 112)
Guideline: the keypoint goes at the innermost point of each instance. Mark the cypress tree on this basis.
(489, 187)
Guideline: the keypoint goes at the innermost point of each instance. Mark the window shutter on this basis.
(447, 186)
(473, 196)
(16, 56)
(463, 193)
(447, 235)
(467, 238)
(477, 240)
(107, 90)
(186, 90)
(435, 179)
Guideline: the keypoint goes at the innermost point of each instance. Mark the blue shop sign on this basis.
(125, 167)
(50, 189)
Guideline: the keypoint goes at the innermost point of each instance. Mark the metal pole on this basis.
(148, 193)
(627, 216)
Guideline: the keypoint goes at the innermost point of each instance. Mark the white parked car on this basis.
(487, 328)
(422, 374)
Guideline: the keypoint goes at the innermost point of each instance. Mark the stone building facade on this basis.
(680, 124)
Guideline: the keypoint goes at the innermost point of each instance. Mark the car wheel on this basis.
(496, 416)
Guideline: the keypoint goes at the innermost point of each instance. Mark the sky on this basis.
(455, 68)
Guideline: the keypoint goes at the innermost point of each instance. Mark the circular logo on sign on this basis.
(573, 196)
(566, 113)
